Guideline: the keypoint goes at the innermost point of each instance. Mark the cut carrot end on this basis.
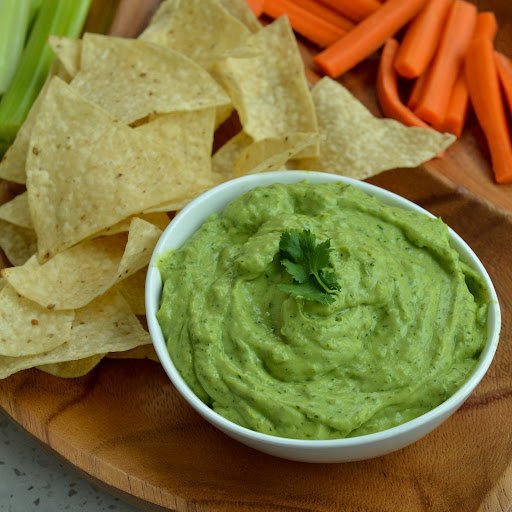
(421, 38)
(447, 62)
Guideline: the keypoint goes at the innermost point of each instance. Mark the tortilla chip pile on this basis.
(123, 134)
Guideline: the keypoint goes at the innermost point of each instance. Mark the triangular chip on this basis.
(133, 289)
(26, 328)
(142, 352)
(105, 325)
(271, 154)
(72, 369)
(201, 29)
(270, 91)
(68, 51)
(16, 211)
(132, 78)
(242, 12)
(88, 171)
(18, 243)
(225, 156)
(355, 143)
(75, 277)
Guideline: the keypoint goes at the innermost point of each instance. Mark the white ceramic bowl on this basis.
(339, 450)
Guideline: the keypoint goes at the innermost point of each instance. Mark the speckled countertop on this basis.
(31, 480)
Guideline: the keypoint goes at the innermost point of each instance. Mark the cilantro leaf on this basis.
(305, 261)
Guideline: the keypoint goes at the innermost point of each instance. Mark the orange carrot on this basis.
(504, 66)
(356, 10)
(458, 106)
(447, 62)
(417, 90)
(420, 41)
(485, 94)
(326, 13)
(305, 23)
(387, 88)
(367, 36)
(256, 6)
(485, 26)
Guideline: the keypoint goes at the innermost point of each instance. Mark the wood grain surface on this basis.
(125, 427)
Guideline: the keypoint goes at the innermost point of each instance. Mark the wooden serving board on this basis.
(124, 426)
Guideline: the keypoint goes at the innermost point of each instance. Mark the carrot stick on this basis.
(367, 36)
(305, 23)
(458, 106)
(485, 26)
(485, 94)
(356, 10)
(447, 62)
(387, 88)
(326, 13)
(420, 41)
(256, 6)
(417, 90)
(504, 66)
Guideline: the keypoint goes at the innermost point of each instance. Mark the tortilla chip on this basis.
(88, 172)
(27, 328)
(68, 51)
(75, 277)
(271, 154)
(241, 11)
(72, 369)
(12, 166)
(143, 352)
(158, 219)
(133, 289)
(225, 156)
(270, 91)
(18, 243)
(355, 143)
(132, 78)
(105, 325)
(16, 211)
(201, 29)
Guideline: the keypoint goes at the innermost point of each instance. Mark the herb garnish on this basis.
(305, 262)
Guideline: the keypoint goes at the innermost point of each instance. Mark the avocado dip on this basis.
(404, 330)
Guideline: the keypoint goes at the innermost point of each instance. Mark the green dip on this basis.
(405, 330)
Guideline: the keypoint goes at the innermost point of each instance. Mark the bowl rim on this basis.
(245, 183)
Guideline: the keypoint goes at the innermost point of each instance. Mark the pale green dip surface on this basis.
(405, 331)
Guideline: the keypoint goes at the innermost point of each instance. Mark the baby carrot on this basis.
(485, 94)
(416, 91)
(447, 62)
(421, 38)
(256, 6)
(367, 36)
(326, 13)
(307, 24)
(485, 26)
(356, 10)
(387, 88)
(458, 106)
(505, 75)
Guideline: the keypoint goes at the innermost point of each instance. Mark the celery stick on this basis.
(14, 21)
(57, 17)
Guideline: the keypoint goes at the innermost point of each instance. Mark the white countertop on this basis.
(31, 480)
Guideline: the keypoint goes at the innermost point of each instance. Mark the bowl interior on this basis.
(214, 201)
